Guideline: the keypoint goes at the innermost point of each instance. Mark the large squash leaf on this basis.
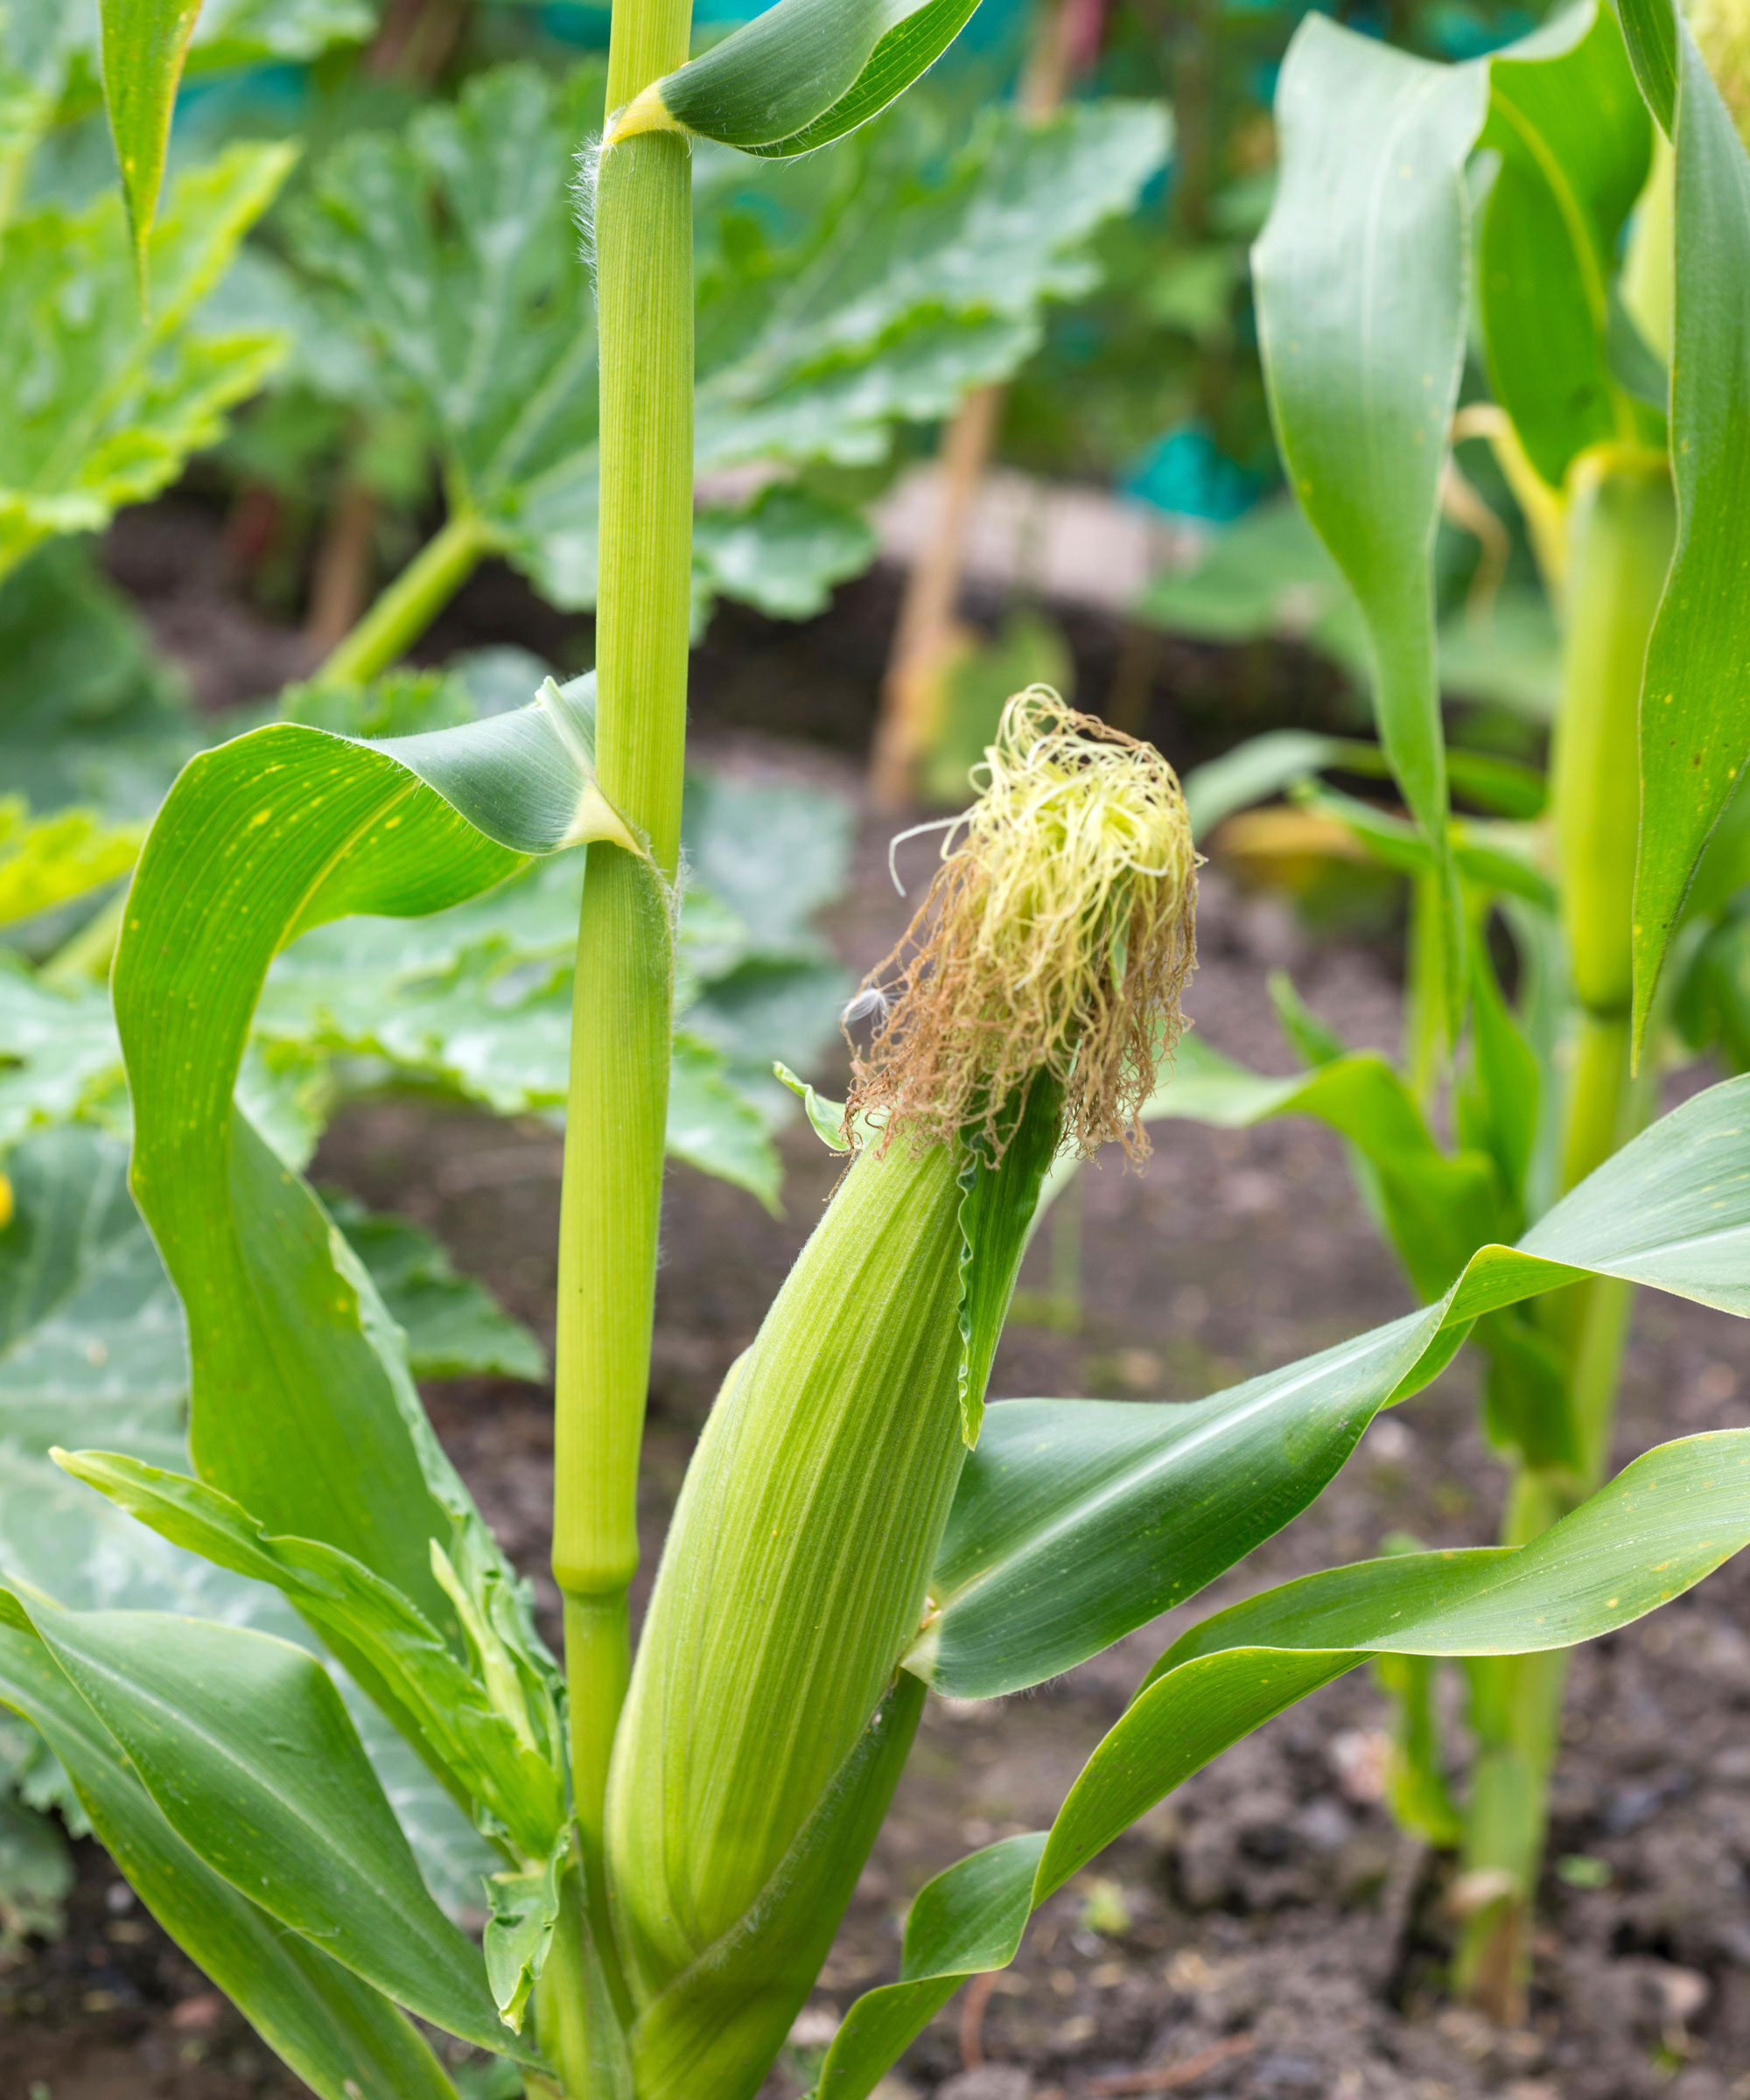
(833, 302)
(103, 406)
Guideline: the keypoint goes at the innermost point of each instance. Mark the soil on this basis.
(1266, 1934)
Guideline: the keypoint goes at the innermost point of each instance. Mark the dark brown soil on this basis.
(1267, 1924)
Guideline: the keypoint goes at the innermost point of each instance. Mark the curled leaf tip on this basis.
(1057, 937)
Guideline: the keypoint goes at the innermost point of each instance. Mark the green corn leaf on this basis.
(302, 1406)
(1648, 32)
(996, 1212)
(245, 1747)
(1664, 1524)
(966, 1921)
(1694, 697)
(1574, 141)
(1077, 1520)
(1254, 771)
(145, 43)
(93, 1350)
(1493, 860)
(836, 301)
(1496, 1101)
(519, 1934)
(806, 72)
(1361, 286)
(105, 406)
(506, 1761)
(1264, 765)
(338, 2034)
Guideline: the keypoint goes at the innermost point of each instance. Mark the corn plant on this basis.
(677, 1829)
(1608, 270)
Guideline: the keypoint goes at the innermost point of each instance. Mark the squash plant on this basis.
(1606, 262)
(678, 1832)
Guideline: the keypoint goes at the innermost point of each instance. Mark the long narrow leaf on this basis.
(1574, 140)
(1695, 698)
(1361, 277)
(144, 43)
(1664, 1524)
(343, 2038)
(302, 1408)
(244, 1744)
(808, 72)
(1077, 1520)
(446, 1710)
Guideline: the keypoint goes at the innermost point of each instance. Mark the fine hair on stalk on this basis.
(1057, 936)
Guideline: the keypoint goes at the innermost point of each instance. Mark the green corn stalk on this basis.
(622, 1015)
(1622, 526)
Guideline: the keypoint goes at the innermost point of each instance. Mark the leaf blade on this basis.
(245, 1746)
(342, 2037)
(144, 45)
(1695, 694)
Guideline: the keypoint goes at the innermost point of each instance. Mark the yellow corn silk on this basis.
(767, 1721)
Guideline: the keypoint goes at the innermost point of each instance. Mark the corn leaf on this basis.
(338, 2034)
(245, 1747)
(1077, 1520)
(807, 72)
(1264, 765)
(1694, 697)
(519, 1934)
(302, 1405)
(1361, 275)
(93, 1350)
(1575, 141)
(145, 43)
(105, 405)
(443, 1709)
(1665, 1522)
(1648, 31)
